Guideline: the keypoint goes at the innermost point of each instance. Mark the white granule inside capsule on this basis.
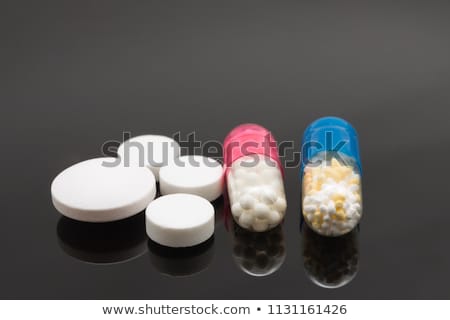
(331, 198)
(256, 191)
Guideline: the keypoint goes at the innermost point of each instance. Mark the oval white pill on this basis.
(97, 191)
(197, 175)
(180, 220)
(151, 151)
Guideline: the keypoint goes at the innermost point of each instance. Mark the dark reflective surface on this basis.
(76, 74)
(103, 243)
(330, 262)
(181, 262)
(258, 254)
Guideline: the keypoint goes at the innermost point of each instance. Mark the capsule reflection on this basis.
(258, 253)
(330, 262)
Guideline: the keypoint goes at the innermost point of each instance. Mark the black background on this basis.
(74, 74)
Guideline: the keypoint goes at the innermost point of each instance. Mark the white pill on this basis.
(197, 175)
(152, 151)
(247, 201)
(261, 211)
(180, 220)
(97, 191)
(310, 216)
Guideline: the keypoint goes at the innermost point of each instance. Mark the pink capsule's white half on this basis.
(256, 192)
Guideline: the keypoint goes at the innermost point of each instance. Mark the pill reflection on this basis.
(258, 253)
(103, 243)
(219, 209)
(181, 262)
(330, 262)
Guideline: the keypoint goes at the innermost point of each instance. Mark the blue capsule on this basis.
(331, 177)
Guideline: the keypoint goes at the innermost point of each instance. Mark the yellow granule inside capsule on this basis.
(354, 180)
(317, 186)
(327, 184)
(332, 173)
(335, 163)
(338, 198)
(340, 214)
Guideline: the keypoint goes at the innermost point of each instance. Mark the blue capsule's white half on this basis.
(331, 177)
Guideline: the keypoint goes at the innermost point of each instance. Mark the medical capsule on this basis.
(254, 178)
(331, 177)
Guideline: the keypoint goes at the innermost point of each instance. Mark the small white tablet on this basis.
(197, 175)
(180, 220)
(97, 191)
(152, 151)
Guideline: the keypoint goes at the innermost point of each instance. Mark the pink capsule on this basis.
(254, 178)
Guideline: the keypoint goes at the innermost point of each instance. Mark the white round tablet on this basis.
(197, 175)
(179, 220)
(95, 191)
(152, 151)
